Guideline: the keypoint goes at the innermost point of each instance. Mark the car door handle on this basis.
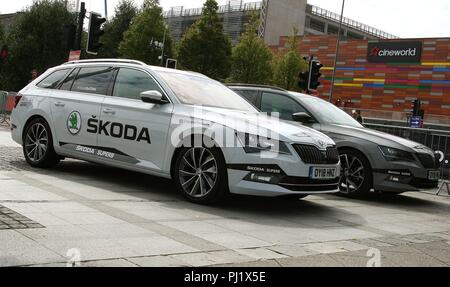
(60, 104)
(109, 111)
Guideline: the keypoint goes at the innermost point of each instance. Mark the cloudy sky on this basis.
(404, 18)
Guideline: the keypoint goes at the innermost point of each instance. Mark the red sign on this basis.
(74, 55)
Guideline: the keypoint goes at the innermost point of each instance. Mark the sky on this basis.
(403, 18)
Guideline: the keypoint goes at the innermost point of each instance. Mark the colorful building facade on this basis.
(401, 71)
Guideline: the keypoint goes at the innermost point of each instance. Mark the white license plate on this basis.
(433, 175)
(322, 172)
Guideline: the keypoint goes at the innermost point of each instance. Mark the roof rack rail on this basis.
(106, 61)
(255, 86)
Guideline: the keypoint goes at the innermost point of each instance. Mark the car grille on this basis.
(312, 155)
(428, 161)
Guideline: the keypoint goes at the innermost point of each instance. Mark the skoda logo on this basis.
(74, 122)
(321, 143)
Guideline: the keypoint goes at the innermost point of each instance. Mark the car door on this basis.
(79, 99)
(135, 132)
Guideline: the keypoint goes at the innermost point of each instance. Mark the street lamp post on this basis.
(163, 45)
(337, 52)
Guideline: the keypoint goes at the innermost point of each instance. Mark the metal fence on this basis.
(438, 140)
(3, 108)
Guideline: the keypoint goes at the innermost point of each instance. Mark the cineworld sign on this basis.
(394, 52)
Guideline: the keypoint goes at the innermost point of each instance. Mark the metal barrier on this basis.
(3, 108)
(438, 140)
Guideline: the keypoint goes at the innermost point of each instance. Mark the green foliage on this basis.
(36, 41)
(288, 66)
(115, 28)
(2, 34)
(205, 48)
(147, 26)
(251, 58)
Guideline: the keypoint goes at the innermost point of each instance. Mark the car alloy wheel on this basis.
(352, 174)
(36, 142)
(198, 172)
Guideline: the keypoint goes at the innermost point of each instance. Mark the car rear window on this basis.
(95, 80)
(53, 80)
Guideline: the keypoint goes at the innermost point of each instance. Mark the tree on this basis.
(251, 58)
(147, 28)
(205, 48)
(288, 66)
(36, 41)
(114, 29)
(2, 34)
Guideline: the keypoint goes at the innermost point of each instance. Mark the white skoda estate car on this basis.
(169, 123)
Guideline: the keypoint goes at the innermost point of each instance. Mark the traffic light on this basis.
(416, 108)
(171, 63)
(314, 72)
(94, 33)
(303, 78)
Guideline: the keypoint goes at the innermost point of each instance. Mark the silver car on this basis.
(370, 159)
(169, 123)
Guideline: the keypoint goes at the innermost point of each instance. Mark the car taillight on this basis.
(17, 100)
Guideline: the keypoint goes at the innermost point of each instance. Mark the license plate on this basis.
(322, 172)
(433, 175)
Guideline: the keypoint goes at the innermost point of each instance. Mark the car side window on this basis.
(67, 83)
(53, 80)
(94, 80)
(130, 83)
(250, 95)
(277, 103)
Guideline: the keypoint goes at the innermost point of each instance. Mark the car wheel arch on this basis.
(361, 153)
(180, 146)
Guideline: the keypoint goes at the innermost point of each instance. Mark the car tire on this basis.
(38, 145)
(356, 174)
(200, 174)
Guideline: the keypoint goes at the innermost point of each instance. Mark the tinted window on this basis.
(52, 80)
(277, 103)
(250, 95)
(67, 83)
(93, 80)
(131, 83)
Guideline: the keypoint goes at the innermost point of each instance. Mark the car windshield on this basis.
(198, 90)
(326, 112)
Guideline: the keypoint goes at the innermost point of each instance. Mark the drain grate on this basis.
(9, 219)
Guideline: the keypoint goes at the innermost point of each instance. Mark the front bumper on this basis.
(401, 180)
(263, 183)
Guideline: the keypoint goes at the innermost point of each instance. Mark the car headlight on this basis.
(393, 154)
(255, 144)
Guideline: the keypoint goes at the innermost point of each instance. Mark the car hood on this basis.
(374, 136)
(254, 123)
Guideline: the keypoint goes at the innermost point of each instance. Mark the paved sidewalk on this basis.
(99, 216)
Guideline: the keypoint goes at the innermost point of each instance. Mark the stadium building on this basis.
(278, 18)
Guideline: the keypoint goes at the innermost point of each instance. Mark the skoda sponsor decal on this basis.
(74, 122)
(100, 152)
(118, 130)
(394, 52)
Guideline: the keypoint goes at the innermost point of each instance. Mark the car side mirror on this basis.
(153, 97)
(302, 117)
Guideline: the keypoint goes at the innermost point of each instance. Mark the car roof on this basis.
(127, 62)
(267, 87)
(255, 86)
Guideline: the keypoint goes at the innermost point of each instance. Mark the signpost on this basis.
(74, 55)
